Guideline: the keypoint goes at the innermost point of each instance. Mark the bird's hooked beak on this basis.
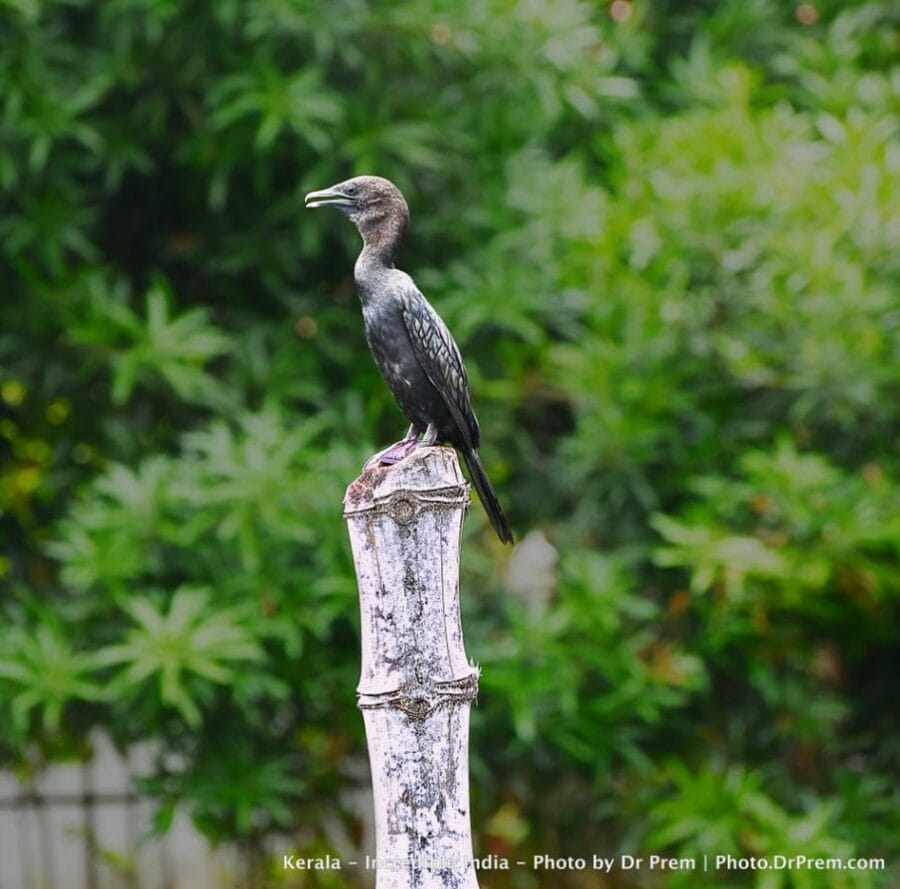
(328, 197)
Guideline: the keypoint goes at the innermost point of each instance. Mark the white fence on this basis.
(83, 826)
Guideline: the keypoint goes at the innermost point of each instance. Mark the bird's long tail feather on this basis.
(486, 493)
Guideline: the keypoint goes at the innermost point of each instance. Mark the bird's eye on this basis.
(351, 188)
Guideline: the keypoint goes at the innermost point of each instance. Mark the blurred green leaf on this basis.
(45, 674)
(172, 647)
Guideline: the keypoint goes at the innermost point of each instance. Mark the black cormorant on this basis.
(412, 346)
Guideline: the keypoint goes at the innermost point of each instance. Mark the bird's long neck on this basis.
(381, 242)
(382, 236)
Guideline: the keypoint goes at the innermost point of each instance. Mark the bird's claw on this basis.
(394, 454)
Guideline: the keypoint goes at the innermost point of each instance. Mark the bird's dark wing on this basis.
(438, 355)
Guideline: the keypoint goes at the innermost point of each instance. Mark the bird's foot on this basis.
(402, 449)
(396, 452)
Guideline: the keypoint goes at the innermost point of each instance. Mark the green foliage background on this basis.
(666, 237)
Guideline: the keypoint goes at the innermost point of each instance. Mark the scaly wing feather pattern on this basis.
(438, 355)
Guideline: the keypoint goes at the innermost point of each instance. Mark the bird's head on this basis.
(374, 204)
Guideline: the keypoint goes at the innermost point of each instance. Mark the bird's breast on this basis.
(392, 350)
(396, 359)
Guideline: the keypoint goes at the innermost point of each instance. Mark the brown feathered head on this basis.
(374, 204)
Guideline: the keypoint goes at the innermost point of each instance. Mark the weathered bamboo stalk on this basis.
(417, 685)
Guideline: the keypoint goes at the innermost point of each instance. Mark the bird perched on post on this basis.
(412, 346)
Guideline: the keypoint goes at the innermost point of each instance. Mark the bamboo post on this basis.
(417, 685)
